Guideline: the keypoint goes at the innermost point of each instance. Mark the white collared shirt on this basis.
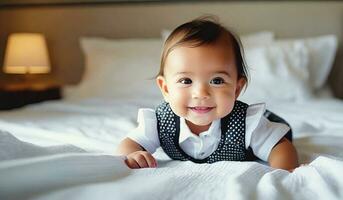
(260, 134)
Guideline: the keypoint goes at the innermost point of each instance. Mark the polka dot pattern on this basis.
(232, 143)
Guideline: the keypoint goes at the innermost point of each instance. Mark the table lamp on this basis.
(26, 53)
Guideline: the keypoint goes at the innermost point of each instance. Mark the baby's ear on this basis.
(240, 85)
(162, 84)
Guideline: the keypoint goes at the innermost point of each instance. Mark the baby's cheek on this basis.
(225, 110)
(225, 105)
(178, 104)
(178, 110)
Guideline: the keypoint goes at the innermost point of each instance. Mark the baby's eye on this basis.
(185, 81)
(217, 81)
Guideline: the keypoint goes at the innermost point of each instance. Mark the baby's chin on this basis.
(201, 122)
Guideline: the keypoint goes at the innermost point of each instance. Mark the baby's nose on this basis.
(201, 92)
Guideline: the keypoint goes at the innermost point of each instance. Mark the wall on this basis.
(63, 25)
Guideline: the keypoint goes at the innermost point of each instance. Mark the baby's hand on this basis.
(140, 159)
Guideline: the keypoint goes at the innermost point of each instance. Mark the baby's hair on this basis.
(203, 31)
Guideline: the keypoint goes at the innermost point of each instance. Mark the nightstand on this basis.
(18, 95)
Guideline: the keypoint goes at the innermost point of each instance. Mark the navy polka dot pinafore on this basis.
(232, 142)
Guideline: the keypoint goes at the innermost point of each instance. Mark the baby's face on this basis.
(201, 83)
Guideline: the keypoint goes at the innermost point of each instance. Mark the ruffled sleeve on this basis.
(262, 134)
(146, 132)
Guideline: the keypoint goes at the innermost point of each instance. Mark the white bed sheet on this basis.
(64, 150)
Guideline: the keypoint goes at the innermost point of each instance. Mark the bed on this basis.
(65, 149)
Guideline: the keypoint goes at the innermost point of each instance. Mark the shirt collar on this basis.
(185, 132)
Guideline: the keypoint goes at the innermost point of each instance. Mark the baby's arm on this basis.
(136, 156)
(283, 155)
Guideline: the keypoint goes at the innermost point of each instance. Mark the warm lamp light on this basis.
(26, 53)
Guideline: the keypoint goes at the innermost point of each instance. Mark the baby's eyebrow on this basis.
(178, 73)
(222, 72)
(215, 72)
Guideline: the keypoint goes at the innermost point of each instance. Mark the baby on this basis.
(202, 73)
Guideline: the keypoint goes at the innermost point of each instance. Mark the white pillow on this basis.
(322, 51)
(278, 71)
(289, 69)
(125, 68)
(120, 68)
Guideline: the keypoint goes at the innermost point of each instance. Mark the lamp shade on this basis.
(26, 53)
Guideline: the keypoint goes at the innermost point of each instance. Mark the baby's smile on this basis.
(201, 109)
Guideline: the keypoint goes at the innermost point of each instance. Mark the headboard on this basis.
(64, 24)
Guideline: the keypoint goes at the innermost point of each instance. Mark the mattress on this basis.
(66, 150)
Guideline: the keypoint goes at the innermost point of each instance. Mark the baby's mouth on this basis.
(201, 109)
